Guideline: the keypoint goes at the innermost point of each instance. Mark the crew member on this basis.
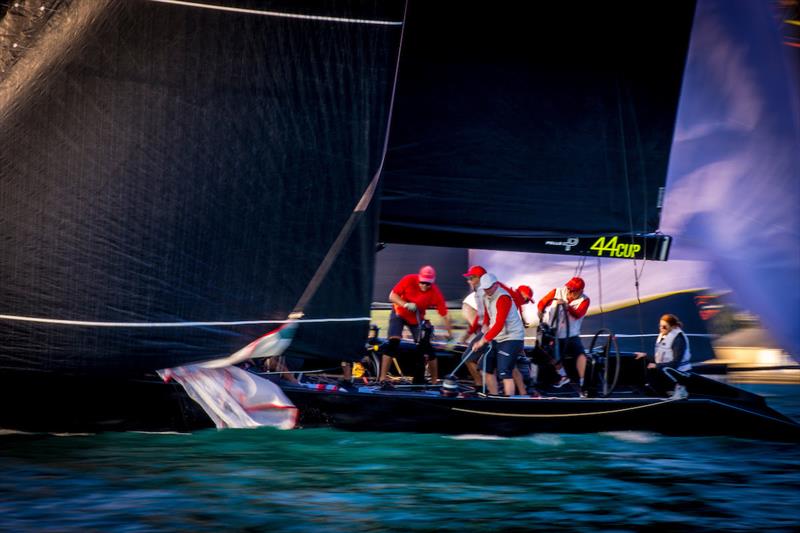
(671, 351)
(568, 327)
(506, 335)
(472, 308)
(524, 296)
(412, 295)
(523, 375)
(521, 296)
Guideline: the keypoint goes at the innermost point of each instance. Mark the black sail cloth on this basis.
(511, 124)
(164, 163)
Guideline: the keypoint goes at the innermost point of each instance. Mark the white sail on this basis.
(235, 398)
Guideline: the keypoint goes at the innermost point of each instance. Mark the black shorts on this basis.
(473, 355)
(504, 357)
(396, 325)
(570, 347)
(422, 335)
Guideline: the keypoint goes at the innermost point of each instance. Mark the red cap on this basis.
(427, 274)
(475, 270)
(525, 291)
(576, 284)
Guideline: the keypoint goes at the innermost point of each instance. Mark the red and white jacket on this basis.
(481, 320)
(505, 321)
(576, 309)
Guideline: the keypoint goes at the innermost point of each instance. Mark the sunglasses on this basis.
(424, 282)
(662, 327)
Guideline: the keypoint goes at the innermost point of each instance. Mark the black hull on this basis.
(427, 413)
(70, 404)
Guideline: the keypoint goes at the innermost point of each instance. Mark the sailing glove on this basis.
(411, 306)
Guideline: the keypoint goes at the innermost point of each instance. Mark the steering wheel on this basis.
(601, 356)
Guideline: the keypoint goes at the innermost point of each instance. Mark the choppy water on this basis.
(328, 480)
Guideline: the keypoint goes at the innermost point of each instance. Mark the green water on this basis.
(329, 480)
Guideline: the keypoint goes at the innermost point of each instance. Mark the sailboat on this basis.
(179, 178)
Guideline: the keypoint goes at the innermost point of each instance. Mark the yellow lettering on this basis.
(598, 245)
(611, 246)
(615, 248)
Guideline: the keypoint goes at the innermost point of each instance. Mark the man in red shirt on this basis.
(567, 324)
(412, 296)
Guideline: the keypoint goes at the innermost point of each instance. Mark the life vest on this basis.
(663, 351)
(513, 329)
(561, 326)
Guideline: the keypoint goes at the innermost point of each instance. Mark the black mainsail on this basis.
(511, 128)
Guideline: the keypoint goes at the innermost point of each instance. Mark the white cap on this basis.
(487, 280)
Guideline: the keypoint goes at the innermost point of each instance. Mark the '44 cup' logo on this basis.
(615, 248)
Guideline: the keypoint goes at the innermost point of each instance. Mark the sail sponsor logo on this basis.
(615, 248)
(568, 244)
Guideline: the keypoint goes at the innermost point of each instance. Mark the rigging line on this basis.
(170, 324)
(624, 150)
(644, 261)
(630, 207)
(639, 305)
(579, 266)
(362, 205)
(639, 316)
(639, 149)
(642, 171)
(279, 13)
(566, 415)
(600, 293)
